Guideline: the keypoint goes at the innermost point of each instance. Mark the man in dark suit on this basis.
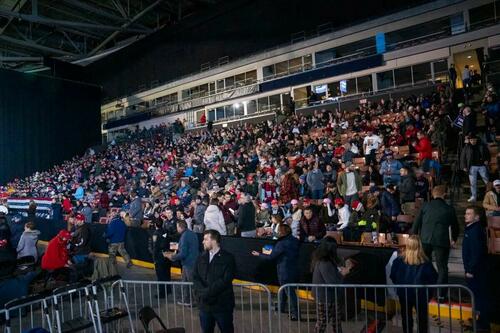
(213, 284)
(474, 253)
(438, 228)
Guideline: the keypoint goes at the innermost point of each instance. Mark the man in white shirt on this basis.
(343, 213)
(371, 144)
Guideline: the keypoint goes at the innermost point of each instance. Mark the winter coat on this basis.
(407, 189)
(474, 249)
(390, 207)
(27, 244)
(434, 221)
(189, 249)
(246, 217)
(214, 219)
(314, 180)
(325, 272)
(342, 183)
(312, 227)
(286, 254)
(199, 213)
(116, 230)
(56, 255)
(135, 210)
(81, 240)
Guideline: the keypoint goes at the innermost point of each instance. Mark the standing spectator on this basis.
(424, 149)
(469, 121)
(474, 255)
(289, 186)
(413, 267)
(325, 265)
(164, 232)
(199, 215)
(213, 284)
(311, 228)
(187, 253)
(56, 209)
(296, 217)
(433, 225)
(349, 183)
(27, 244)
(466, 77)
(421, 185)
(86, 211)
(81, 240)
(135, 211)
(214, 220)
(5, 233)
(32, 211)
(390, 209)
(286, 254)
(103, 202)
(371, 144)
(228, 207)
(389, 169)
(491, 202)
(406, 188)
(246, 217)
(452, 72)
(115, 236)
(315, 183)
(473, 160)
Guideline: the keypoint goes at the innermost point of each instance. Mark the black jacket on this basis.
(213, 282)
(407, 189)
(433, 223)
(81, 240)
(246, 217)
(474, 248)
(468, 151)
(286, 254)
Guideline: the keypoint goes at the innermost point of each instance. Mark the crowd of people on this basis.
(295, 178)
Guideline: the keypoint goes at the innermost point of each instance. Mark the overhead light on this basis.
(471, 66)
(469, 57)
(224, 125)
(236, 105)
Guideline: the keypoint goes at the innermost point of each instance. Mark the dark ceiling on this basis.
(73, 30)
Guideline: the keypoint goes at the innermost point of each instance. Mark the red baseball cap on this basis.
(339, 201)
(274, 202)
(80, 217)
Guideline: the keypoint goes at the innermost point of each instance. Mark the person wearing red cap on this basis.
(276, 209)
(56, 255)
(343, 213)
(251, 187)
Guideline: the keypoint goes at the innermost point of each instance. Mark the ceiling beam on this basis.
(24, 59)
(32, 45)
(55, 23)
(125, 25)
(17, 7)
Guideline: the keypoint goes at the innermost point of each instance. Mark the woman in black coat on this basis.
(413, 267)
(286, 254)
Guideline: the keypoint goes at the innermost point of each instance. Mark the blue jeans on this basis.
(80, 258)
(224, 321)
(392, 179)
(316, 194)
(474, 170)
(291, 296)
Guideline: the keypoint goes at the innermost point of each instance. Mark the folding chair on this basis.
(110, 313)
(71, 315)
(147, 315)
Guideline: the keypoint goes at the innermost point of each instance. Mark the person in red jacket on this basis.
(56, 256)
(424, 149)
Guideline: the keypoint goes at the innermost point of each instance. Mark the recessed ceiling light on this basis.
(469, 57)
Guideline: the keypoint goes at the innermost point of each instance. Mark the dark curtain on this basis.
(44, 121)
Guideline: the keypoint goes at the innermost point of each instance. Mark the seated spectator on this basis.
(56, 255)
(424, 149)
(262, 216)
(311, 228)
(343, 214)
(327, 212)
(491, 202)
(276, 209)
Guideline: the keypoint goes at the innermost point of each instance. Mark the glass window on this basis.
(220, 85)
(239, 109)
(204, 90)
(275, 102)
(229, 111)
(229, 82)
(211, 115)
(403, 76)
(300, 97)
(263, 104)
(240, 80)
(422, 72)
(385, 80)
(251, 107)
(366, 46)
(441, 70)
(307, 62)
(281, 68)
(268, 72)
(334, 89)
(365, 84)
(295, 65)
(481, 16)
(220, 113)
(351, 87)
(251, 77)
(185, 94)
(211, 88)
(320, 91)
(323, 58)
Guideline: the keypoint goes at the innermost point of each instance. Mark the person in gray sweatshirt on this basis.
(199, 214)
(314, 180)
(27, 243)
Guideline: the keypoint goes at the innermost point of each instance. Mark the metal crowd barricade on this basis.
(177, 308)
(388, 308)
(26, 313)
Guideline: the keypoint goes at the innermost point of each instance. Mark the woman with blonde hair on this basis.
(413, 267)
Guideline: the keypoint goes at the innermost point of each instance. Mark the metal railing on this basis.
(354, 308)
(174, 303)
